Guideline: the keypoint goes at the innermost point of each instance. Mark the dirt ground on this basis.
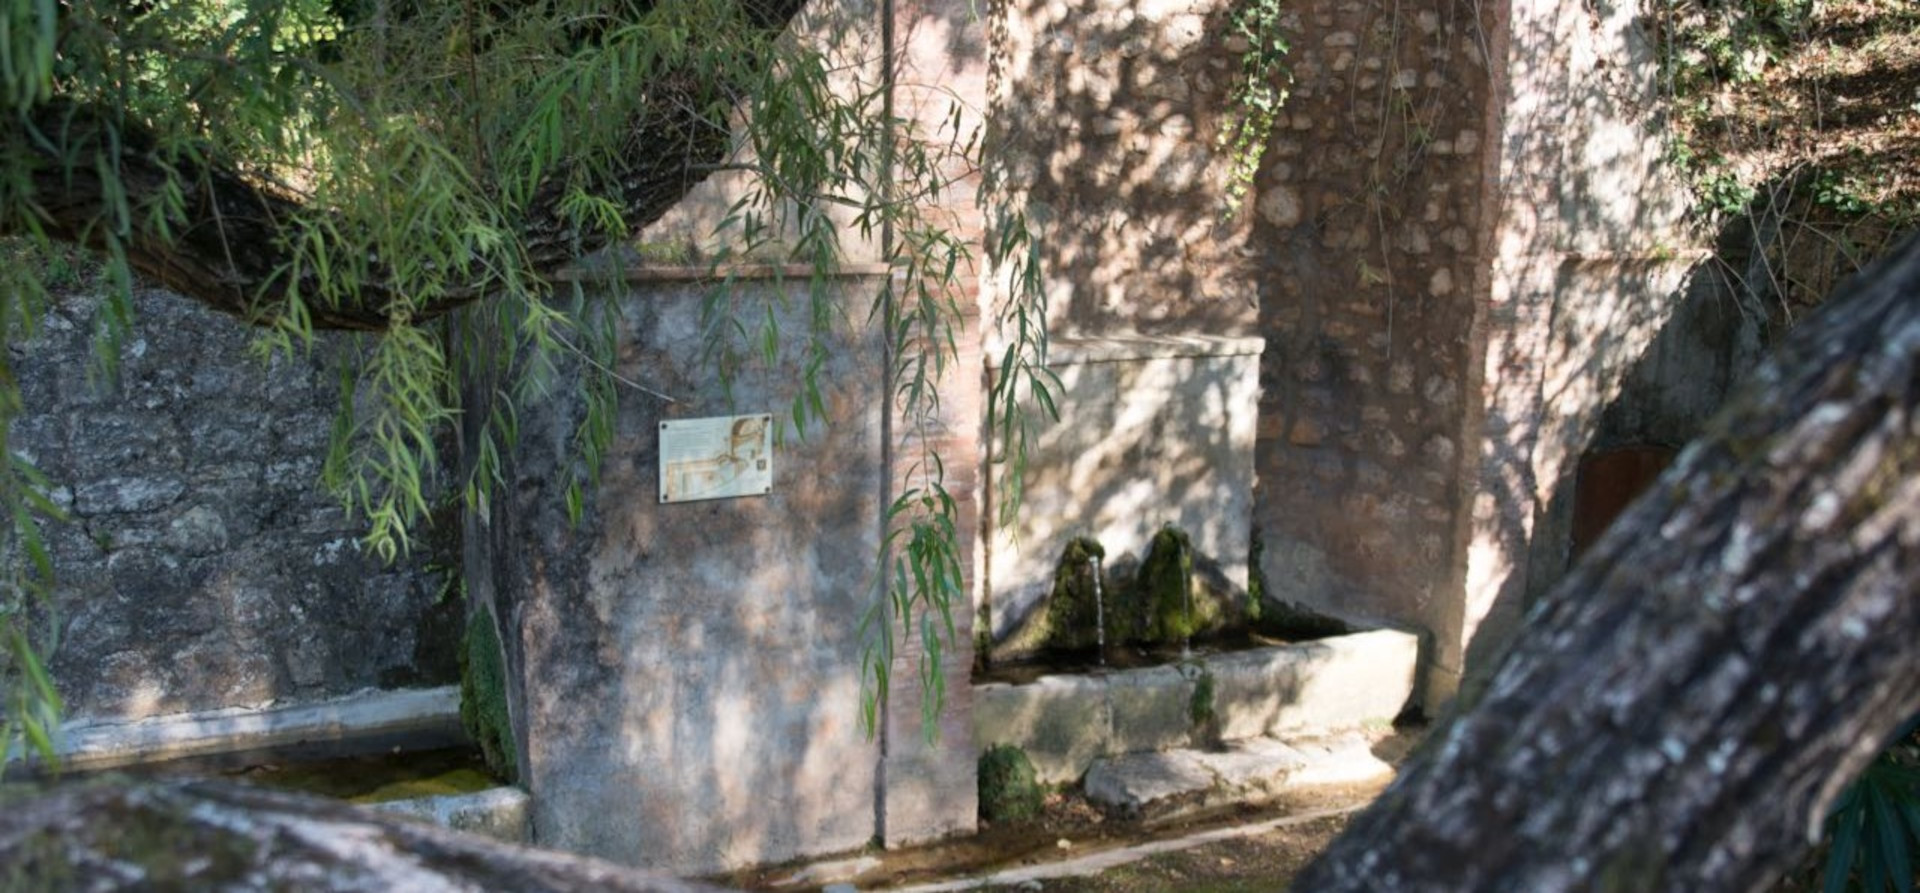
(1262, 862)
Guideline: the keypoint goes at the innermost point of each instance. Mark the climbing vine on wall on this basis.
(1258, 90)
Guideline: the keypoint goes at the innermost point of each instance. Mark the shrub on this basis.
(1008, 790)
(1873, 832)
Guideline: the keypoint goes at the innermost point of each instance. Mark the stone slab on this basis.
(1167, 783)
(1065, 722)
(1336, 759)
(830, 872)
(1335, 683)
(1145, 784)
(1252, 767)
(1150, 709)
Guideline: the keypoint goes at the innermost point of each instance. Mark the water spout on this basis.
(1186, 596)
(1099, 612)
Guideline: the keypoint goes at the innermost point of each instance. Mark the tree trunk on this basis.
(1682, 709)
(200, 835)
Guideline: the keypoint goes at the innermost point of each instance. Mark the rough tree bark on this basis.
(229, 250)
(217, 836)
(1681, 710)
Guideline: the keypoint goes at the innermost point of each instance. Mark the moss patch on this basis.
(483, 696)
(1008, 790)
(1202, 710)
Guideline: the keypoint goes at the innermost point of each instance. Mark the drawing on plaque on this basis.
(716, 458)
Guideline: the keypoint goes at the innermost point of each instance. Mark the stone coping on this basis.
(1134, 348)
(86, 745)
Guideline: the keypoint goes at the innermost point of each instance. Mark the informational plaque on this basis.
(717, 458)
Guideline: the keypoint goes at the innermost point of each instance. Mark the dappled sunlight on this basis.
(1152, 432)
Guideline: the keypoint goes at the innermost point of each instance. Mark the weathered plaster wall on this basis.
(1154, 431)
(1705, 343)
(204, 568)
(848, 35)
(928, 786)
(1589, 258)
(690, 672)
(716, 646)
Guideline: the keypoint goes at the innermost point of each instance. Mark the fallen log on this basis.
(118, 834)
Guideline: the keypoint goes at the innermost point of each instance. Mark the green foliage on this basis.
(32, 704)
(1751, 86)
(1873, 832)
(1721, 191)
(1200, 705)
(1258, 91)
(483, 696)
(1073, 616)
(421, 156)
(1008, 790)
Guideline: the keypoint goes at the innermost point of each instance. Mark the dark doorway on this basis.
(1607, 482)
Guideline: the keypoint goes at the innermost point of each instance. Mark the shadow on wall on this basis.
(1107, 120)
(1771, 266)
(1442, 343)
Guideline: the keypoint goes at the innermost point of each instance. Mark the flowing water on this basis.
(1099, 612)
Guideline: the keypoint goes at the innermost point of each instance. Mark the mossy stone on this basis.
(1174, 611)
(1074, 609)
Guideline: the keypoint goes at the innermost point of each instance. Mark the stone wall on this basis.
(1589, 258)
(1374, 212)
(203, 567)
(1471, 239)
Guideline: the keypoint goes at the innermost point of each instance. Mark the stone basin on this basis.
(1065, 722)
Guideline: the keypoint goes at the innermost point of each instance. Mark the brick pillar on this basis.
(927, 787)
